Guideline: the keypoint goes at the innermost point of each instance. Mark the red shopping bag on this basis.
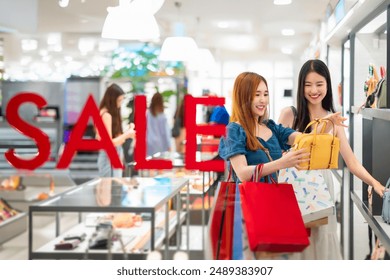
(221, 221)
(272, 217)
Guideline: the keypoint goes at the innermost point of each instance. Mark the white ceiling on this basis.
(256, 21)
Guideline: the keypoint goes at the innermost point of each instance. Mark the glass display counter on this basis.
(153, 203)
(202, 184)
(21, 189)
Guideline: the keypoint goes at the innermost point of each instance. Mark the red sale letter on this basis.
(40, 138)
(140, 148)
(77, 143)
(192, 130)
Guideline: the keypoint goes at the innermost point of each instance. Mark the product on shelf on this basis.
(6, 211)
(375, 88)
(126, 220)
(67, 245)
(12, 183)
(117, 220)
(102, 237)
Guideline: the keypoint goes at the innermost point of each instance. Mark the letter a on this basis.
(77, 143)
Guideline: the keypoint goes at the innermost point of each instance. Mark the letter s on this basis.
(40, 138)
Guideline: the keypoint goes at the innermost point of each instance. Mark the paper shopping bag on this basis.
(221, 222)
(311, 192)
(272, 217)
(237, 246)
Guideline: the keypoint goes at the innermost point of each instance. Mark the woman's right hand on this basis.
(294, 158)
(379, 188)
(337, 119)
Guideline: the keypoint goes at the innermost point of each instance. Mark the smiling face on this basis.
(260, 101)
(315, 88)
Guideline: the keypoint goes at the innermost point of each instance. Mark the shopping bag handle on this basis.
(266, 151)
(316, 122)
(257, 174)
(257, 171)
(230, 173)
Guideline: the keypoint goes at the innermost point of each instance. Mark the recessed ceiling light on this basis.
(223, 24)
(86, 45)
(282, 2)
(43, 52)
(63, 3)
(25, 60)
(288, 32)
(29, 44)
(286, 50)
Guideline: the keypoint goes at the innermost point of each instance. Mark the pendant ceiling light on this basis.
(178, 48)
(133, 20)
(202, 61)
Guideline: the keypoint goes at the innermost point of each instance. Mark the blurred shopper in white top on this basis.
(158, 134)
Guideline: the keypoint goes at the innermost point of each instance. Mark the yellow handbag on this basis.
(324, 147)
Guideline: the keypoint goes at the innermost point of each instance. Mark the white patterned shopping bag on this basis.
(311, 191)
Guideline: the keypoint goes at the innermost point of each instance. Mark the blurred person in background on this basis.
(110, 112)
(158, 137)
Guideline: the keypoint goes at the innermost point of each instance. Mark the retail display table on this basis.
(156, 201)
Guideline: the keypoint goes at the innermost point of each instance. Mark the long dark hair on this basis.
(303, 116)
(156, 104)
(109, 102)
(179, 114)
(244, 91)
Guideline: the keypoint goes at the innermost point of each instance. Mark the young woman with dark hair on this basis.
(315, 100)
(110, 112)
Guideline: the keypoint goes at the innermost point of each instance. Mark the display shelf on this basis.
(199, 184)
(376, 124)
(12, 227)
(36, 183)
(369, 127)
(23, 145)
(359, 10)
(136, 241)
(370, 113)
(376, 223)
(116, 195)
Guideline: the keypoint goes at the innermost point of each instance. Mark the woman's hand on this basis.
(295, 158)
(130, 132)
(336, 118)
(379, 189)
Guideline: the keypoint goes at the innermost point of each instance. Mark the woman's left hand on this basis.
(336, 118)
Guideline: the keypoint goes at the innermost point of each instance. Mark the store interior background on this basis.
(50, 49)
